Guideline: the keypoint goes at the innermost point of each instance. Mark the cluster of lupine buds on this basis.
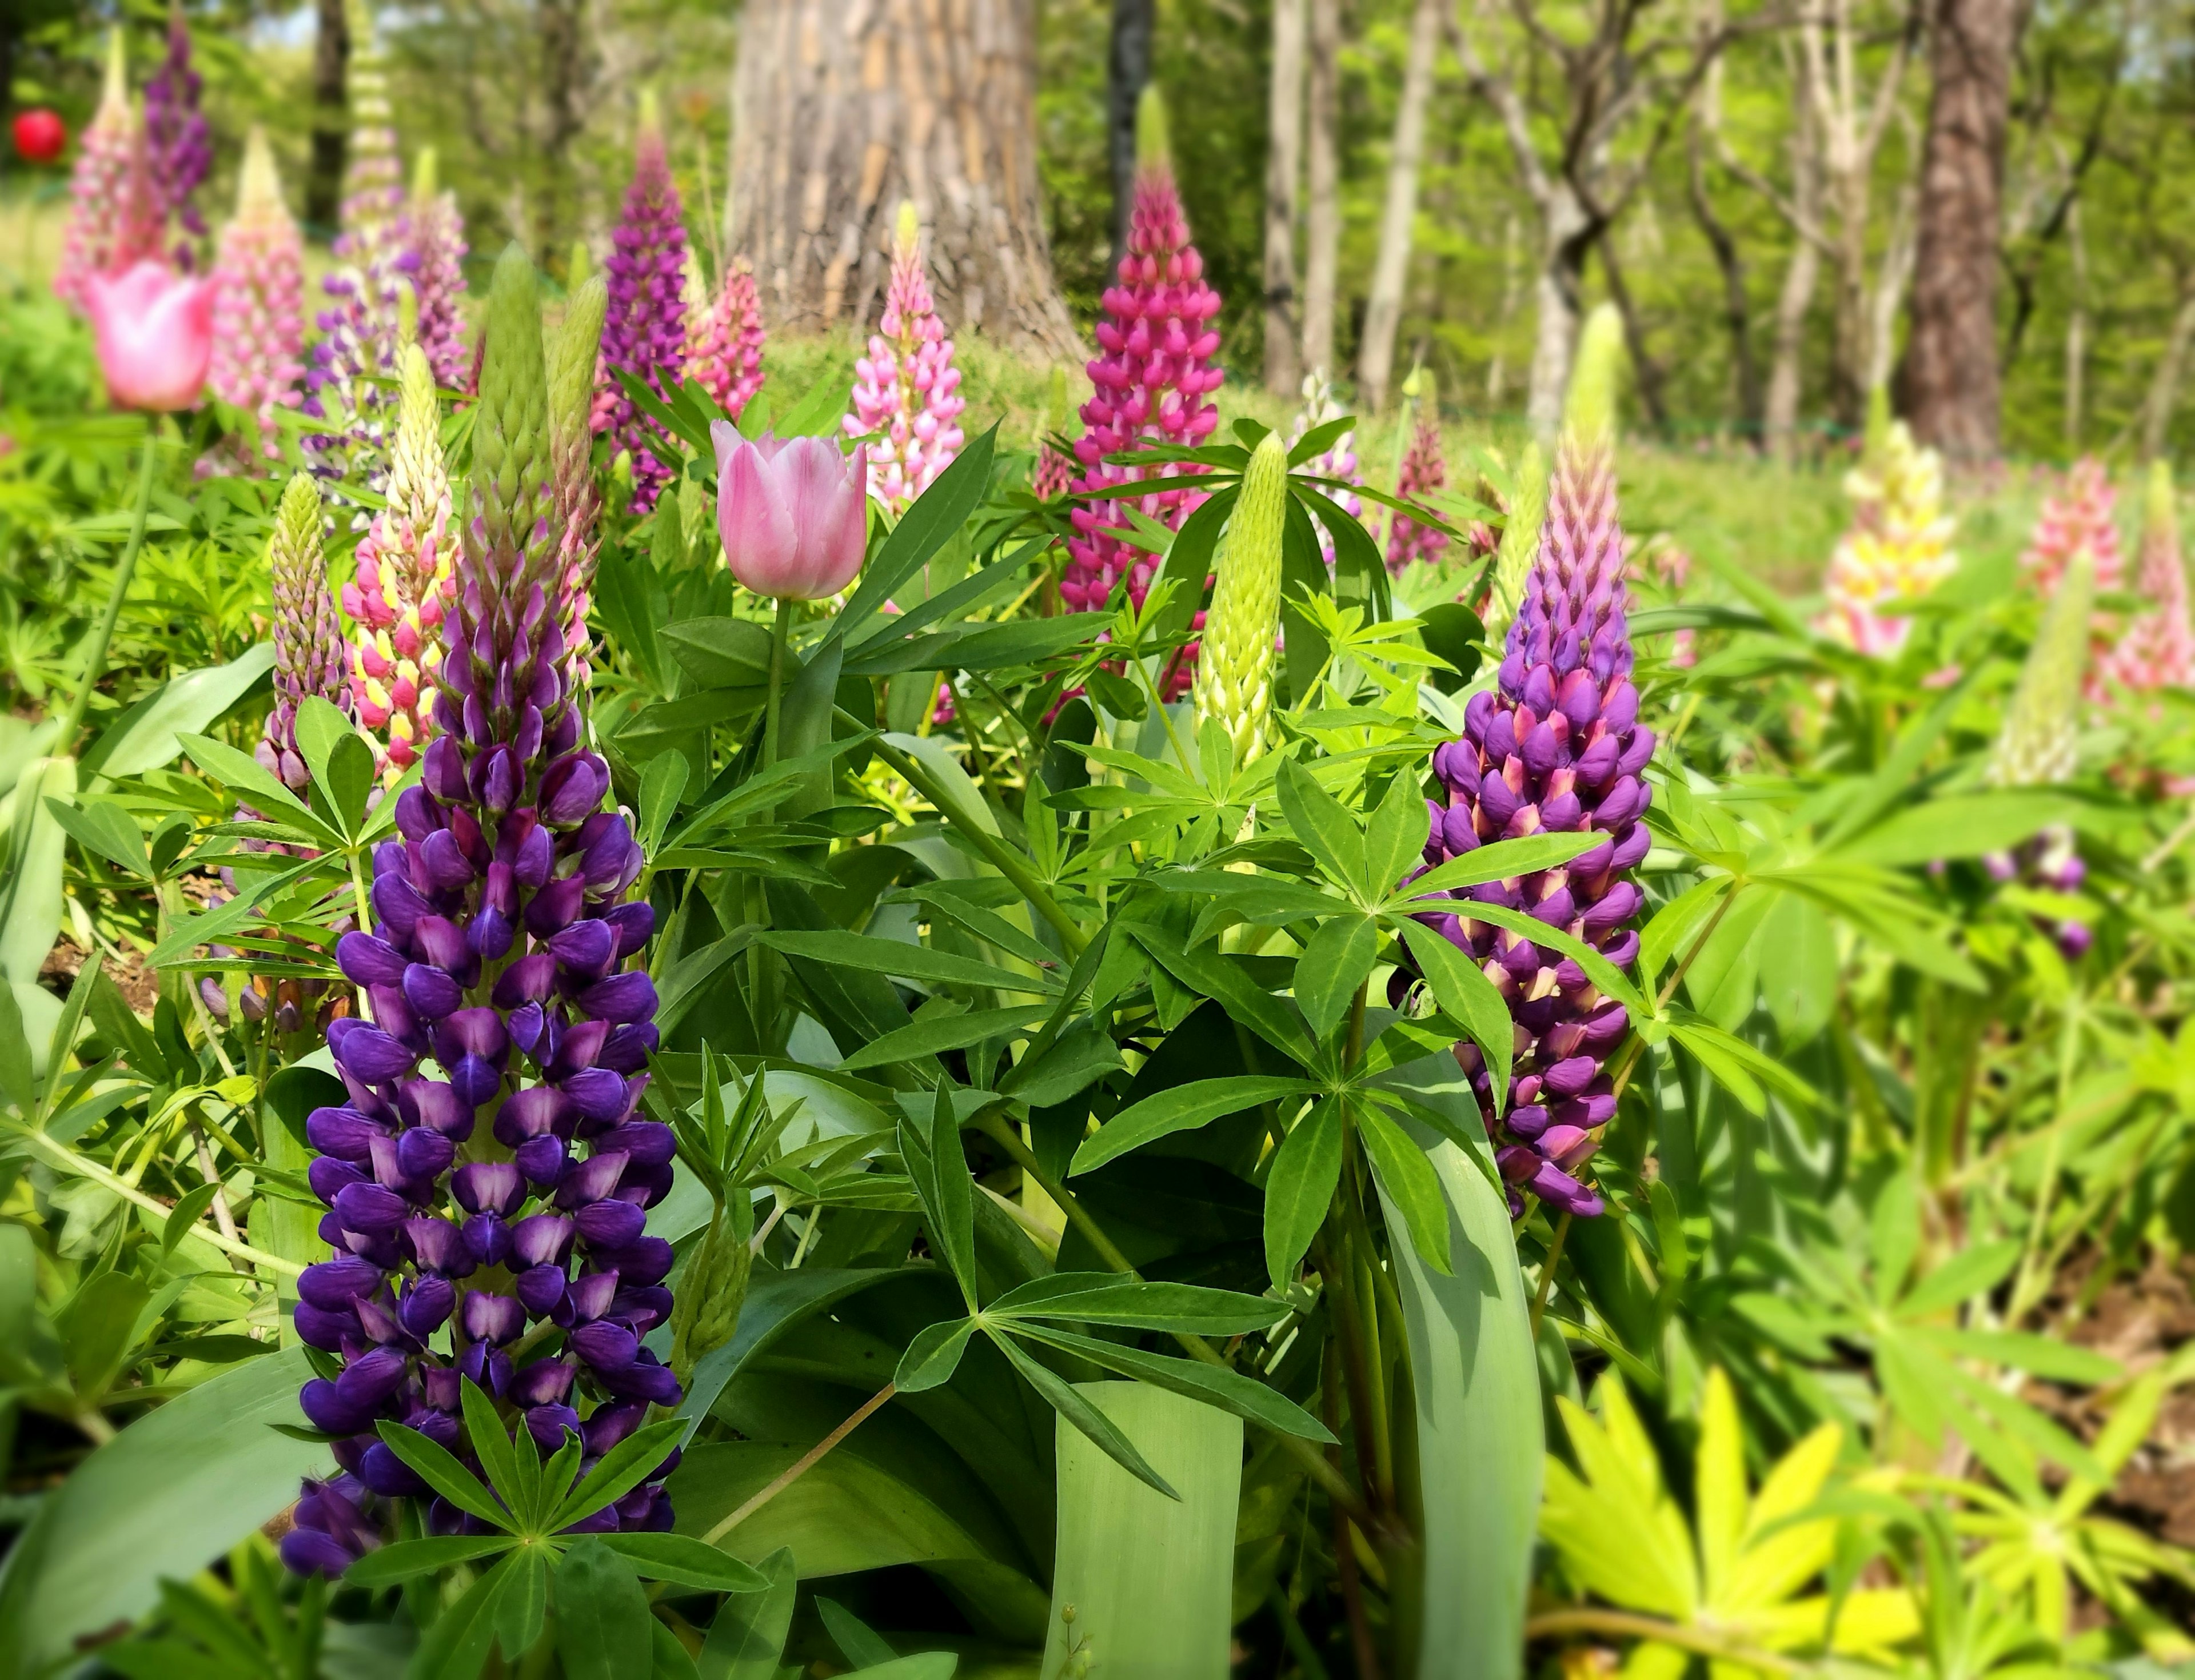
(1337, 461)
(1556, 748)
(1899, 546)
(1234, 683)
(259, 307)
(1520, 542)
(308, 641)
(2081, 518)
(1423, 470)
(179, 144)
(405, 581)
(512, 1190)
(2158, 649)
(114, 217)
(1151, 381)
(724, 336)
(907, 391)
(644, 333)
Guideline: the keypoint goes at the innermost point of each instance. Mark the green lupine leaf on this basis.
(1107, 1297)
(1306, 1168)
(1182, 1109)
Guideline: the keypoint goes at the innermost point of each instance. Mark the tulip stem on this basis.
(95, 658)
(780, 631)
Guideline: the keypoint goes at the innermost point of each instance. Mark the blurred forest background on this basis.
(1744, 179)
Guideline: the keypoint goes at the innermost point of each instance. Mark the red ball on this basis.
(39, 135)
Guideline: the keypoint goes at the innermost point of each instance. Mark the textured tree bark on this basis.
(1323, 226)
(1779, 406)
(564, 66)
(330, 116)
(841, 108)
(2163, 398)
(2077, 332)
(1383, 309)
(1950, 374)
(1283, 165)
(1127, 70)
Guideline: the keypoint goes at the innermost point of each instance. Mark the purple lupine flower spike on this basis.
(645, 334)
(488, 1178)
(1557, 747)
(179, 144)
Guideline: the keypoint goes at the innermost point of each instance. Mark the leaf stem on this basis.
(781, 631)
(1551, 1623)
(95, 658)
(807, 1462)
(1547, 1272)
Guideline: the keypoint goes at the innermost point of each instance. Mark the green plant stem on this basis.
(781, 631)
(1314, 1461)
(1349, 1355)
(1633, 1049)
(1552, 1623)
(1015, 869)
(95, 658)
(1547, 1272)
(807, 1462)
(83, 1167)
(1293, 1635)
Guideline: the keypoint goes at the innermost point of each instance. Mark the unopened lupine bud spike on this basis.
(1235, 672)
(259, 306)
(1151, 380)
(907, 391)
(309, 644)
(1589, 409)
(1555, 747)
(1520, 542)
(2039, 740)
(507, 1019)
(2158, 649)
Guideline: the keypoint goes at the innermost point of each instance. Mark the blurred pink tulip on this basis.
(155, 336)
(793, 512)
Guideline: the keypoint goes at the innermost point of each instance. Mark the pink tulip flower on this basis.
(154, 331)
(792, 512)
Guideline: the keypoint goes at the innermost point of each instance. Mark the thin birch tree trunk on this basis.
(1323, 228)
(1383, 313)
(841, 108)
(2163, 399)
(2077, 332)
(324, 174)
(1283, 165)
(1558, 293)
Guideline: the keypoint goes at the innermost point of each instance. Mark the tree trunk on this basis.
(330, 117)
(1565, 237)
(1736, 311)
(1779, 409)
(1383, 312)
(562, 68)
(2077, 332)
(1890, 287)
(2163, 398)
(1323, 228)
(1283, 164)
(841, 108)
(1127, 70)
(1951, 386)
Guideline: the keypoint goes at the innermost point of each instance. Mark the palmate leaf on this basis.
(1107, 1297)
(933, 1355)
(1182, 1109)
(903, 960)
(439, 1468)
(935, 1034)
(1299, 1188)
(1216, 976)
(1061, 1396)
(1467, 996)
(620, 1470)
(1213, 1384)
(405, 1560)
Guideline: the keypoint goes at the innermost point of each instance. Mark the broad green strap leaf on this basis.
(1409, 1184)
(905, 962)
(1182, 1109)
(1213, 1384)
(1107, 1297)
(1299, 1188)
(147, 737)
(1077, 1410)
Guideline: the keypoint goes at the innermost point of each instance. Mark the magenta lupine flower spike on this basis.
(309, 643)
(2158, 649)
(179, 143)
(1152, 377)
(2080, 516)
(1425, 470)
(511, 1016)
(114, 220)
(724, 337)
(430, 253)
(907, 391)
(1556, 747)
(644, 333)
(259, 304)
(407, 579)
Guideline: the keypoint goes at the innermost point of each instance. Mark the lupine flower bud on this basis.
(2038, 742)
(1520, 542)
(309, 645)
(179, 144)
(114, 219)
(502, 1170)
(1423, 470)
(2158, 649)
(644, 332)
(1151, 380)
(430, 254)
(571, 353)
(1338, 461)
(724, 336)
(2081, 518)
(407, 579)
(1556, 747)
(907, 390)
(1235, 672)
(1055, 472)
(1898, 547)
(259, 309)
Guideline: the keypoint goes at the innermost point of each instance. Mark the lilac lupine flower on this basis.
(488, 1178)
(430, 254)
(179, 144)
(1556, 747)
(645, 332)
(258, 316)
(907, 391)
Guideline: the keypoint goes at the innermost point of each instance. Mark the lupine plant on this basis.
(907, 391)
(114, 217)
(644, 334)
(178, 141)
(259, 324)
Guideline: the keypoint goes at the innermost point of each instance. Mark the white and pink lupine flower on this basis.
(1899, 548)
(724, 335)
(2158, 649)
(259, 306)
(114, 218)
(907, 391)
(2081, 518)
